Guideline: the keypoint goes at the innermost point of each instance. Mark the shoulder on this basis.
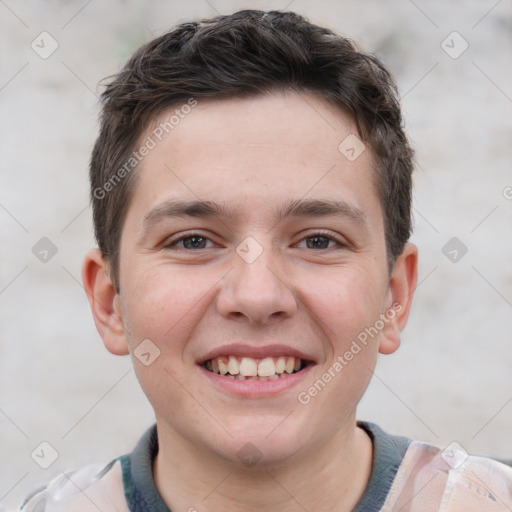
(103, 487)
(450, 480)
(91, 488)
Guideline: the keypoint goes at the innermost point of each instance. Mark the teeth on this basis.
(223, 365)
(280, 364)
(267, 368)
(290, 365)
(247, 368)
(233, 366)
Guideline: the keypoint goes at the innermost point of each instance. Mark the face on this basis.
(254, 247)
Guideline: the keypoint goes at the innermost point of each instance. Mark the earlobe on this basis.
(104, 303)
(401, 291)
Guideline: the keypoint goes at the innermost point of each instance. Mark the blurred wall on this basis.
(451, 378)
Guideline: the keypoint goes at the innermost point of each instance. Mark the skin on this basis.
(255, 155)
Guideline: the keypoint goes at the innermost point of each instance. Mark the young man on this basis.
(251, 188)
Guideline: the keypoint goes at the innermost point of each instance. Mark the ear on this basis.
(401, 291)
(104, 302)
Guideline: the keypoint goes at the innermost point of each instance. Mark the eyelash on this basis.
(320, 234)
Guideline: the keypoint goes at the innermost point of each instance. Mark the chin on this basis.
(258, 443)
(259, 455)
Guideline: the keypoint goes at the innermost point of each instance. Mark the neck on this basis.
(334, 477)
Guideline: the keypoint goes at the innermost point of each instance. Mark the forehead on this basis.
(272, 149)
(300, 120)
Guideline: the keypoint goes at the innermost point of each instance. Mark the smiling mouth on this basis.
(248, 368)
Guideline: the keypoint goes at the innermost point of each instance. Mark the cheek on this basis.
(345, 306)
(163, 302)
(162, 311)
(346, 302)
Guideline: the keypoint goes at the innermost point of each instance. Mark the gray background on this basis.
(450, 380)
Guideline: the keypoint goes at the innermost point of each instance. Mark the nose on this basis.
(256, 290)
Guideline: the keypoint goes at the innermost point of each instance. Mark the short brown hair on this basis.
(245, 54)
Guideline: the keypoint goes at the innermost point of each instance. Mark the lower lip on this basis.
(256, 388)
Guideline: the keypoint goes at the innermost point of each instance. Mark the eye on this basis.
(193, 241)
(320, 240)
(196, 241)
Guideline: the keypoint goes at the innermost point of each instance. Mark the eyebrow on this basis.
(293, 208)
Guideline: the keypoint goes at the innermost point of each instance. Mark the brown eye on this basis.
(317, 242)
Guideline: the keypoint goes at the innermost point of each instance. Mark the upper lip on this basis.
(256, 352)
